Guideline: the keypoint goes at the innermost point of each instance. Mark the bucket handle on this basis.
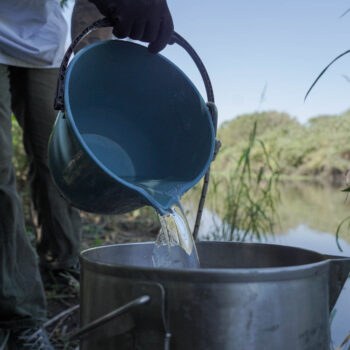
(105, 22)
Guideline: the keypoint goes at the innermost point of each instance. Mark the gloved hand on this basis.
(145, 20)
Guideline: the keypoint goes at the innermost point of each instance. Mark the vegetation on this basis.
(245, 199)
(319, 150)
(19, 156)
(258, 151)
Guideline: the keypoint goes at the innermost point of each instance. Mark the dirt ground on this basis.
(63, 294)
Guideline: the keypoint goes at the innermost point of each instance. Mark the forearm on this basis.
(85, 13)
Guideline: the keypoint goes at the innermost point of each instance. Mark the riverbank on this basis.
(318, 150)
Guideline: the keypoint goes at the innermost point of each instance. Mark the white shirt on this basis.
(32, 33)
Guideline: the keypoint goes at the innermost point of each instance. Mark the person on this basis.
(32, 40)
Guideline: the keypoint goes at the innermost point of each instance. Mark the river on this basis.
(309, 215)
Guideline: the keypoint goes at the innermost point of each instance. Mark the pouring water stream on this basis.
(174, 246)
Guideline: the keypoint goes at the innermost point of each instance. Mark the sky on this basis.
(274, 48)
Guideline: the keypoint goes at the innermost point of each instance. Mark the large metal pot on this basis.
(244, 297)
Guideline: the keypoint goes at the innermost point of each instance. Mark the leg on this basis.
(32, 102)
(22, 302)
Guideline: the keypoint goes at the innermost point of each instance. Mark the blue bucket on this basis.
(132, 131)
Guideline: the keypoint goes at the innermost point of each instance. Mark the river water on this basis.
(309, 215)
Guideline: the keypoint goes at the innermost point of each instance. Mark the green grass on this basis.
(245, 198)
(319, 150)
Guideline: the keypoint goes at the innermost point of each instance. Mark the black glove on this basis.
(145, 20)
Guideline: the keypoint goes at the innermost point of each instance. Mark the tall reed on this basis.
(246, 199)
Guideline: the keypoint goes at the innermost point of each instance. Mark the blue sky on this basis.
(246, 44)
(283, 44)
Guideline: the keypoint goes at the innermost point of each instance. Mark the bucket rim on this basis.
(155, 204)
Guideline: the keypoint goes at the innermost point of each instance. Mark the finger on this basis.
(122, 28)
(164, 35)
(151, 31)
(138, 29)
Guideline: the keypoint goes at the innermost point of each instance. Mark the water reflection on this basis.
(320, 208)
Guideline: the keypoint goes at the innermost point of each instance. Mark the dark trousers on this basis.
(29, 93)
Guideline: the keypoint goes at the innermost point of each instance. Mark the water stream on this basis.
(174, 247)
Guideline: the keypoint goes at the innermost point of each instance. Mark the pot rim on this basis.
(255, 274)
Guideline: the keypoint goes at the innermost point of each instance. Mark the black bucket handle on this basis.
(105, 22)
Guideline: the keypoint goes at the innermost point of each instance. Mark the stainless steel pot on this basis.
(245, 297)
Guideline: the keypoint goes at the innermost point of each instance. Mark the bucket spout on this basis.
(338, 274)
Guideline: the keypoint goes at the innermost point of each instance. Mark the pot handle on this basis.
(339, 269)
(142, 300)
(105, 22)
(80, 333)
